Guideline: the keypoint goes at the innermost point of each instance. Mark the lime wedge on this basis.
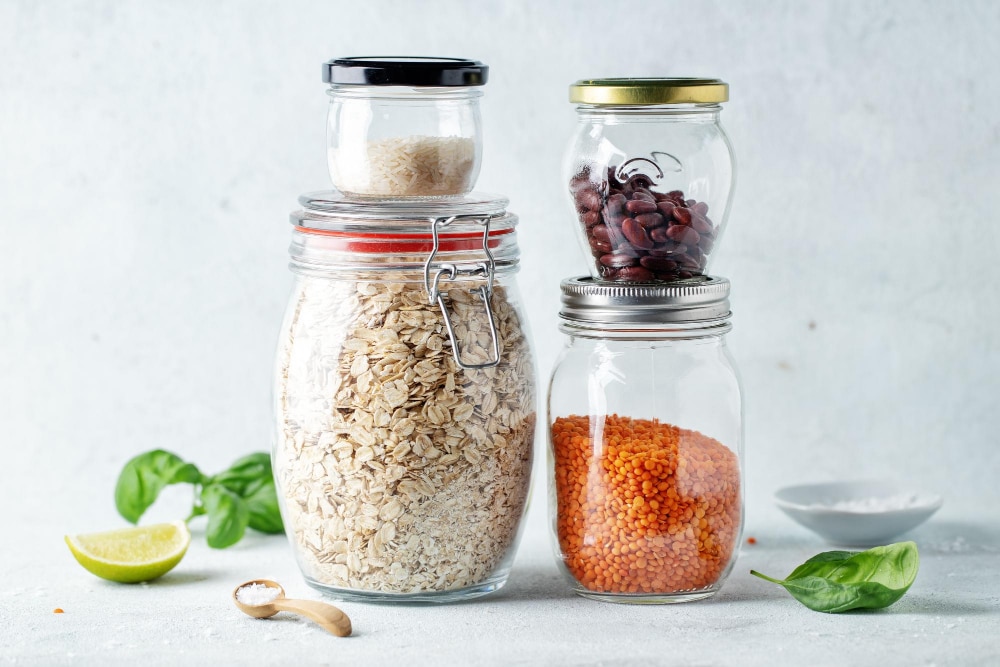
(130, 555)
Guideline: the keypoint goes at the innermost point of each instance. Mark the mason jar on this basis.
(404, 398)
(645, 431)
(404, 127)
(650, 175)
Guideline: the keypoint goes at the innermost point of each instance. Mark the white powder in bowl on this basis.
(415, 166)
(257, 594)
(876, 504)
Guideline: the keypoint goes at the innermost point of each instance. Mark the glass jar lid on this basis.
(641, 92)
(363, 222)
(404, 71)
(334, 232)
(588, 303)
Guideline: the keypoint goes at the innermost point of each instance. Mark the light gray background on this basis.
(151, 151)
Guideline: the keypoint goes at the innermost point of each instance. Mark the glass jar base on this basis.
(490, 585)
(649, 598)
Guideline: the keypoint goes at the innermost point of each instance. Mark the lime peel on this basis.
(131, 555)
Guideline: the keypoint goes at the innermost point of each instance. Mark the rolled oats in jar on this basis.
(404, 398)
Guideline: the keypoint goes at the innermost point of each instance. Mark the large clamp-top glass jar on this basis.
(650, 173)
(404, 398)
(645, 421)
(404, 127)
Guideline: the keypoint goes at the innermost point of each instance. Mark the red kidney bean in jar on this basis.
(650, 172)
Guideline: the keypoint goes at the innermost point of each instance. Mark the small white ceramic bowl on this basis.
(857, 514)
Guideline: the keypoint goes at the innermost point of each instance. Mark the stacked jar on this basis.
(645, 414)
(404, 391)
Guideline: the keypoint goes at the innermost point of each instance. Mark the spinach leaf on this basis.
(836, 581)
(143, 477)
(228, 516)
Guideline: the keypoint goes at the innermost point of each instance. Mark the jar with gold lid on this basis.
(650, 174)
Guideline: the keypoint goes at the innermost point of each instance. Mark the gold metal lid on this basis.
(636, 92)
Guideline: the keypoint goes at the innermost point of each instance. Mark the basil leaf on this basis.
(243, 495)
(836, 581)
(250, 478)
(244, 472)
(262, 502)
(143, 477)
(227, 516)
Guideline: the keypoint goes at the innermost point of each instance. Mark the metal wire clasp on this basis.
(451, 271)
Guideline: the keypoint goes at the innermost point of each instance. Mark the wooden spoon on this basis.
(325, 615)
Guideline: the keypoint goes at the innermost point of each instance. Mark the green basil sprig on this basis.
(242, 495)
(836, 581)
(142, 479)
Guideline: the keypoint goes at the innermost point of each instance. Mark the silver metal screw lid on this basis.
(588, 302)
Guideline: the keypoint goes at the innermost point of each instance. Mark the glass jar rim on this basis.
(649, 91)
(331, 211)
(407, 94)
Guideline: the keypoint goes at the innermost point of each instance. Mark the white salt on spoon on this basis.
(263, 598)
(256, 594)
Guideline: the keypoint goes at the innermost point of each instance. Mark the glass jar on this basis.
(404, 398)
(404, 127)
(650, 173)
(646, 441)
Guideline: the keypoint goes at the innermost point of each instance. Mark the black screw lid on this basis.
(405, 71)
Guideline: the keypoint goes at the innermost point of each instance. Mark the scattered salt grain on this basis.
(875, 504)
(255, 594)
(958, 545)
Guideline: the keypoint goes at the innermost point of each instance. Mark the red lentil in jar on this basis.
(652, 508)
(645, 426)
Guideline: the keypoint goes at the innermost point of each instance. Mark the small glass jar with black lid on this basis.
(645, 432)
(650, 174)
(404, 127)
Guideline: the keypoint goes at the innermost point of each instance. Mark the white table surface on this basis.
(951, 615)
(150, 153)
